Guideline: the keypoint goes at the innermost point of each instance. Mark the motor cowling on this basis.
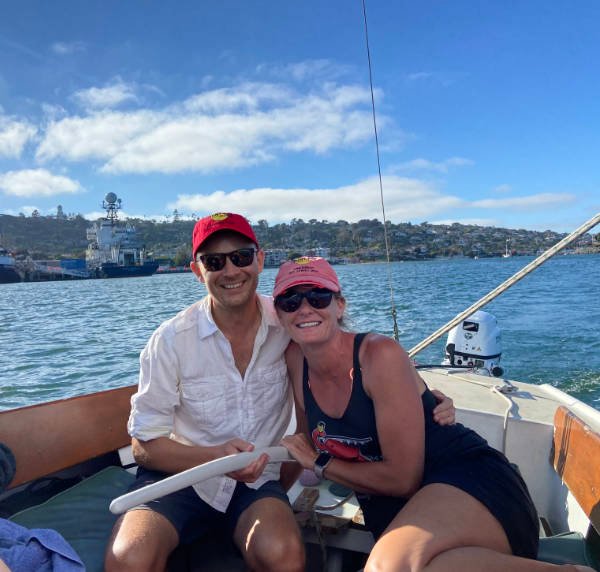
(476, 342)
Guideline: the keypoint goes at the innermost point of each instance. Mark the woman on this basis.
(435, 497)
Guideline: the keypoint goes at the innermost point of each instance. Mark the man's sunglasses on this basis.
(318, 298)
(216, 261)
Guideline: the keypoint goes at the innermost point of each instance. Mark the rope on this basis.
(385, 232)
(506, 284)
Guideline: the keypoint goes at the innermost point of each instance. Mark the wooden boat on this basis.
(73, 457)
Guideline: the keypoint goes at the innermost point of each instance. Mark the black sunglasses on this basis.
(216, 261)
(290, 301)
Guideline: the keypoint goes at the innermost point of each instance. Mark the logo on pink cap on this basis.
(309, 270)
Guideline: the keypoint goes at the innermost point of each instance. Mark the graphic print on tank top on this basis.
(352, 437)
(343, 447)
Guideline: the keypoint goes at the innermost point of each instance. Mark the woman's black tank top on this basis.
(353, 436)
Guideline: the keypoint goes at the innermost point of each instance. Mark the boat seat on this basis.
(576, 459)
(566, 548)
(80, 513)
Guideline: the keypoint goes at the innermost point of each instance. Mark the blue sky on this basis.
(488, 112)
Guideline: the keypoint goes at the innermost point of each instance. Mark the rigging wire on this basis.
(385, 231)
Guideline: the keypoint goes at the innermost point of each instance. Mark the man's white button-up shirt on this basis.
(190, 390)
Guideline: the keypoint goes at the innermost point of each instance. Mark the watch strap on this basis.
(321, 463)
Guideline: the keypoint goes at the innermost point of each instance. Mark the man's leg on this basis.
(141, 541)
(144, 537)
(264, 528)
(269, 538)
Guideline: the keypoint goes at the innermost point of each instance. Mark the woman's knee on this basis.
(398, 552)
(378, 562)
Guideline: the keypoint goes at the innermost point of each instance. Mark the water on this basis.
(60, 339)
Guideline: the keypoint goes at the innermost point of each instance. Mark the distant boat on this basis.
(113, 250)
(507, 253)
(8, 269)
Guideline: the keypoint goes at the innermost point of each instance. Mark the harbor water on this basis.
(61, 339)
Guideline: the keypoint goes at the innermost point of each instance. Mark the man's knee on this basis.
(282, 553)
(141, 542)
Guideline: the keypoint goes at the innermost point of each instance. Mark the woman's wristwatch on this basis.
(321, 463)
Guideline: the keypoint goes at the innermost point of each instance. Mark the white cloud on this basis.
(444, 79)
(14, 135)
(418, 76)
(502, 189)
(245, 97)
(53, 112)
(67, 48)
(405, 199)
(28, 209)
(467, 221)
(439, 167)
(306, 71)
(215, 130)
(98, 136)
(37, 183)
(539, 201)
(106, 97)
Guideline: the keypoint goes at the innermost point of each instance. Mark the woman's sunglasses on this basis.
(318, 298)
(216, 261)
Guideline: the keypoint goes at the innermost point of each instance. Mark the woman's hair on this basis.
(343, 321)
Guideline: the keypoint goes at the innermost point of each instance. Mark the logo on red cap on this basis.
(210, 224)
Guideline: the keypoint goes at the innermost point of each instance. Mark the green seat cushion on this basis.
(81, 514)
(566, 548)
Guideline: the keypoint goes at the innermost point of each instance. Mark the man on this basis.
(213, 382)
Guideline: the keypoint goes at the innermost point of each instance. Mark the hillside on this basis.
(51, 237)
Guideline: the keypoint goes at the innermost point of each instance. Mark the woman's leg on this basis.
(442, 528)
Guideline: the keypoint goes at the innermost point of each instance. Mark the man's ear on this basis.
(196, 270)
(260, 258)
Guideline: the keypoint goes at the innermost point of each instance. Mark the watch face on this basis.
(323, 459)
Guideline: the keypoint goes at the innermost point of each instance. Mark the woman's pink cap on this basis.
(309, 270)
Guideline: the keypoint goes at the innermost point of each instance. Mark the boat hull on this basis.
(87, 431)
(9, 275)
(108, 270)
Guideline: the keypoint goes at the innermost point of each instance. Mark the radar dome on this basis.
(110, 198)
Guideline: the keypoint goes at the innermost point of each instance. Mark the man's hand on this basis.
(445, 412)
(250, 473)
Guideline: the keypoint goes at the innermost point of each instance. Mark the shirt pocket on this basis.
(205, 400)
(270, 389)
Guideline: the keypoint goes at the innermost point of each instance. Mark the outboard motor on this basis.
(476, 342)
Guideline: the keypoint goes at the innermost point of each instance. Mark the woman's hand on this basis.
(301, 449)
(444, 412)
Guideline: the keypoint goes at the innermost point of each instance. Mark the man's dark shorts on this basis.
(192, 517)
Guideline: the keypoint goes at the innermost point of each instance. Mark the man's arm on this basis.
(164, 454)
(444, 412)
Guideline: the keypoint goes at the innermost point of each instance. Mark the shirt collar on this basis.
(207, 326)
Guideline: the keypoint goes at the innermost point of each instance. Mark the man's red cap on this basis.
(208, 225)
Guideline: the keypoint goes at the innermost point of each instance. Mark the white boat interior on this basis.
(71, 448)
